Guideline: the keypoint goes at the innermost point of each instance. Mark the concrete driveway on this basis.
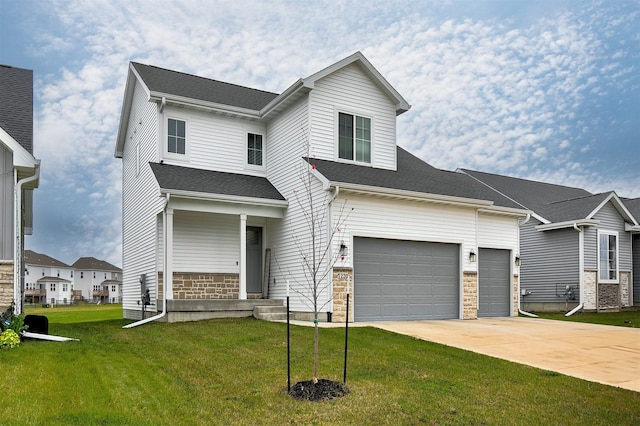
(599, 353)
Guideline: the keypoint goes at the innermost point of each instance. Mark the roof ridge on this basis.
(580, 198)
(526, 180)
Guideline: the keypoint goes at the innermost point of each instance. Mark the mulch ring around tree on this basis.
(324, 390)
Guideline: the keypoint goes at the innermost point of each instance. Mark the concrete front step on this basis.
(270, 313)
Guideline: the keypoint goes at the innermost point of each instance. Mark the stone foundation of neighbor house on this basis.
(341, 278)
(470, 295)
(6, 284)
(200, 296)
(516, 295)
(604, 296)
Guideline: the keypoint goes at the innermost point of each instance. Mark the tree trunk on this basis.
(315, 351)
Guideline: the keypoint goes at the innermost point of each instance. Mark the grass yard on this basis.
(79, 313)
(623, 319)
(233, 371)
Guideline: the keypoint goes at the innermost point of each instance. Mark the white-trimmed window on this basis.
(608, 256)
(354, 138)
(176, 136)
(255, 149)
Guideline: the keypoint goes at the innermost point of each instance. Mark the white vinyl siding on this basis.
(140, 200)
(349, 90)
(216, 142)
(499, 232)
(7, 181)
(205, 242)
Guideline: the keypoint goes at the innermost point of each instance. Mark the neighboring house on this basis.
(634, 207)
(99, 281)
(19, 176)
(576, 248)
(212, 226)
(47, 280)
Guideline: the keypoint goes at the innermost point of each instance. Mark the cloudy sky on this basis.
(546, 90)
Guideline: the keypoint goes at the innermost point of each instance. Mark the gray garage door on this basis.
(405, 280)
(494, 283)
(635, 249)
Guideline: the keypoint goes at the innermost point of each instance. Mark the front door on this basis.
(254, 259)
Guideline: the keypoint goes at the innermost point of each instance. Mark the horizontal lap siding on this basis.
(6, 211)
(548, 258)
(636, 270)
(610, 220)
(495, 231)
(350, 90)
(140, 201)
(206, 242)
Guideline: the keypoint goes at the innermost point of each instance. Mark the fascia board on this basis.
(299, 86)
(126, 109)
(208, 106)
(21, 157)
(411, 195)
(505, 211)
(182, 200)
(225, 198)
(632, 228)
(567, 224)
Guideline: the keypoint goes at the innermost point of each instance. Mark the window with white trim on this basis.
(176, 136)
(255, 149)
(608, 256)
(354, 138)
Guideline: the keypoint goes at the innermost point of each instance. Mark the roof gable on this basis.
(38, 259)
(93, 264)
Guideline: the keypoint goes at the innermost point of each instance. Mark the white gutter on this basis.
(164, 259)
(581, 270)
(17, 257)
(520, 311)
(330, 223)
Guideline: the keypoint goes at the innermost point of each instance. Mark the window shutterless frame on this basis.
(608, 256)
(354, 138)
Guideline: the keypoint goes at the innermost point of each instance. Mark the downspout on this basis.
(164, 260)
(520, 311)
(580, 271)
(17, 261)
(330, 203)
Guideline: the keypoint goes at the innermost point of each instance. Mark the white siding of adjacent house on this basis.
(140, 200)
(349, 90)
(214, 142)
(498, 232)
(7, 181)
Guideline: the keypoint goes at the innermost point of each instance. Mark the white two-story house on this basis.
(47, 280)
(214, 190)
(98, 280)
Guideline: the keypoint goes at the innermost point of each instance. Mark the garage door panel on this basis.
(494, 283)
(396, 280)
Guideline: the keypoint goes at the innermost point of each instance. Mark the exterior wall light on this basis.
(344, 250)
(518, 261)
(473, 257)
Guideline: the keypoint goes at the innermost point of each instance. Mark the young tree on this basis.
(316, 245)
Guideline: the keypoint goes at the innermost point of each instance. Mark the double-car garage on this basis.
(416, 280)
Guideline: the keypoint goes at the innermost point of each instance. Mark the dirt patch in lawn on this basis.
(323, 390)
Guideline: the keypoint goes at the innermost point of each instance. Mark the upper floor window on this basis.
(81, 274)
(607, 256)
(255, 149)
(52, 287)
(176, 136)
(354, 138)
(65, 287)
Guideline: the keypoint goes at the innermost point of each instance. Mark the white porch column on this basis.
(168, 272)
(243, 257)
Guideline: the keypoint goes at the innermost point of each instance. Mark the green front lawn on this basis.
(79, 313)
(233, 371)
(622, 319)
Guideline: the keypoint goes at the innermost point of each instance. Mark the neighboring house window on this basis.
(113, 288)
(52, 287)
(94, 275)
(255, 149)
(608, 256)
(354, 138)
(96, 288)
(65, 287)
(176, 136)
(81, 275)
(71, 274)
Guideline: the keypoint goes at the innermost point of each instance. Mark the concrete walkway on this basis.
(598, 353)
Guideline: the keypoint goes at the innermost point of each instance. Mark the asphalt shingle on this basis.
(16, 104)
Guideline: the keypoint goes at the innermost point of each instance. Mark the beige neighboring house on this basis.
(19, 176)
(97, 280)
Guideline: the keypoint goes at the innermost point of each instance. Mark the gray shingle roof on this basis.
(190, 86)
(16, 104)
(633, 205)
(33, 258)
(414, 175)
(556, 203)
(93, 264)
(212, 182)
